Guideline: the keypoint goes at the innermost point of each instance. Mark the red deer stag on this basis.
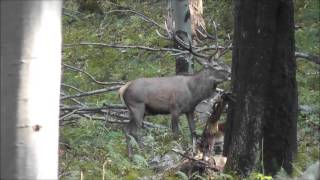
(175, 95)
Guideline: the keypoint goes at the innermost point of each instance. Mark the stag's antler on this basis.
(206, 60)
(204, 33)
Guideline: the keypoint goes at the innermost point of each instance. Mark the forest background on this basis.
(93, 146)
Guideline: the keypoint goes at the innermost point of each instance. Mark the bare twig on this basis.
(142, 16)
(203, 163)
(94, 92)
(202, 49)
(74, 100)
(105, 106)
(114, 106)
(91, 77)
(123, 46)
(307, 56)
(204, 33)
(108, 110)
(68, 114)
(71, 87)
(144, 123)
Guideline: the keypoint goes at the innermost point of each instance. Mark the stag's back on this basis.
(158, 95)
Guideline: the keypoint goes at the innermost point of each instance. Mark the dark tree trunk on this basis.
(262, 121)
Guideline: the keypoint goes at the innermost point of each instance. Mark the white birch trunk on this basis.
(180, 13)
(30, 86)
(196, 11)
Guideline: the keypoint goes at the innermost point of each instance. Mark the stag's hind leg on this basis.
(135, 123)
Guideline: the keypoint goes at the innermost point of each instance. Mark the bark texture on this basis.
(261, 124)
(197, 21)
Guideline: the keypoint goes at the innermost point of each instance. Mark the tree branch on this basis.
(114, 106)
(307, 56)
(105, 106)
(94, 92)
(144, 123)
(142, 16)
(123, 46)
(91, 77)
(74, 100)
(72, 87)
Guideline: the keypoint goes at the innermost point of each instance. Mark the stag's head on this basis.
(218, 72)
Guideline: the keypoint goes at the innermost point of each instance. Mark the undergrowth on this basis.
(97, 150)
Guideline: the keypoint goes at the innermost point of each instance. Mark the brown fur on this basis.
(175, 95)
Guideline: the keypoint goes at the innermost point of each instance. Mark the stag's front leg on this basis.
(190, 117)
(129, 131)
(192, 127)
(175, 124)
(136, 118)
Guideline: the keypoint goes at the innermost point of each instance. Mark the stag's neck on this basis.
(201, 87)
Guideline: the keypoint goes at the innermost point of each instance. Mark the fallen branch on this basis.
(108, 120)
(108, 110)
(74, 100)
(105, 106)
(68, 114)
(114, 106)
(95, 110)
(197, 162)
(162, 174)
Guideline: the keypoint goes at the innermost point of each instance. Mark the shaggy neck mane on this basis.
(198, 85)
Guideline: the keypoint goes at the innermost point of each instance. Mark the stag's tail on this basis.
(122, 90)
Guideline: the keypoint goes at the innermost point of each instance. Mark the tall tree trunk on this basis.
(30, 86)
(261, 124)
(179, 13)
(196, 12)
